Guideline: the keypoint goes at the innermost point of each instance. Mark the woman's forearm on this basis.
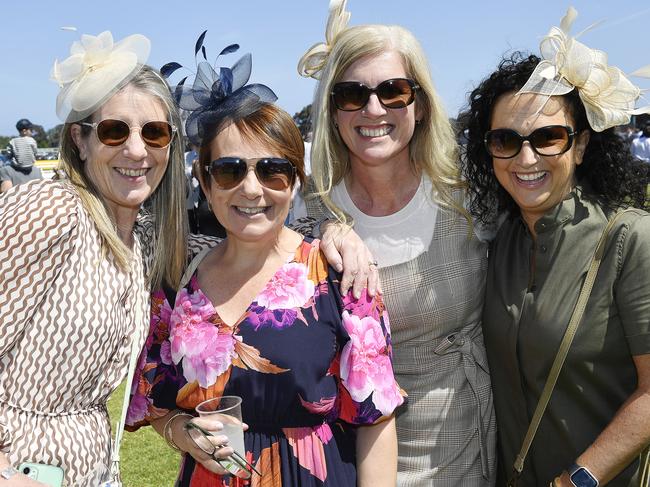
(625, 436)
(377, 455)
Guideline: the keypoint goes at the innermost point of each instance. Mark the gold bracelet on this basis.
(167, 430)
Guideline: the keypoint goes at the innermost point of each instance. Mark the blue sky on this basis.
(463, 39)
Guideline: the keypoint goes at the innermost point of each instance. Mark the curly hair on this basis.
(614, 178)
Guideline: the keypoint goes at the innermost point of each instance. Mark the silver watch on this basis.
(8, 472)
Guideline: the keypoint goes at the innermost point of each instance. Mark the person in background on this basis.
(385, 156)
(641, 145)
(557, 170)
(262, 318)
(22, 151)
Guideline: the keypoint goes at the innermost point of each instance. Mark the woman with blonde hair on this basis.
(384, 158)
(76, 283)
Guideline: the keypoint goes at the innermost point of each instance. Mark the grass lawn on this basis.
(146, 460)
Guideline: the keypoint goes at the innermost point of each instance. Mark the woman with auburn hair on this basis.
(260, 316)
(384, 158)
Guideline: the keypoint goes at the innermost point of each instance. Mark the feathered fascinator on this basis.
(219, 96)
(96, 69)
(608, 95)
(315, 59)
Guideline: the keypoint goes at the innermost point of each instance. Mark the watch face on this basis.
(582, 478)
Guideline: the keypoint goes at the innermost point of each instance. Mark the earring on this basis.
(209, 205)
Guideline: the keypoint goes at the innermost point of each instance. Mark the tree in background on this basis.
(54, 136)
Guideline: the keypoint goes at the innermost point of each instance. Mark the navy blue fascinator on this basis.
(217, 97)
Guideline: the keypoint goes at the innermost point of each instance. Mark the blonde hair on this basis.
(433, 148)
(167, 202)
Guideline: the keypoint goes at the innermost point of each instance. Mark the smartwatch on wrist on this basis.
(582, 477)
(8, 472)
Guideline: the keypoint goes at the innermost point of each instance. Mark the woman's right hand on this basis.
(19, 479)
(210, 462)
(346, 252)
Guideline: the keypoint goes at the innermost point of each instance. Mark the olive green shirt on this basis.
(532, 288)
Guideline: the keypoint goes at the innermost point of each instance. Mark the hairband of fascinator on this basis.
(217, 96)
(608, 95)
(96, 69)
(314, 60)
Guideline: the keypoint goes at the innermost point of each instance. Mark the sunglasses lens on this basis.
(503, 143)
(112, 132)
(550, 141)
(228, 172)
(200, 440)
(350, 96)
(275, 173)
(396, 93)
(157, 134)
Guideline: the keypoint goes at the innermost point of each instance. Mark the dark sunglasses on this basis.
(350, 96)
(156, 134)
(552, 140)
(272, 172)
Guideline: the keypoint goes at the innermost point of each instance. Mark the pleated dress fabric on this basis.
(67, 321)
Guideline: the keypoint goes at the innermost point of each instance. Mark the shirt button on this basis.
(543, 249)
(125, 339)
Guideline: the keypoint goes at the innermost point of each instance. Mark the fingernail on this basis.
(339, 267)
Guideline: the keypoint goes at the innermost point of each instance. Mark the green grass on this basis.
(146, 460)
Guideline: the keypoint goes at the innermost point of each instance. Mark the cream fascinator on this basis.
(95, 70)
(608, 95)
(315, 59)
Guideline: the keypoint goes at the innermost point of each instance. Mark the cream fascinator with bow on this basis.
(608, 95)
(96, 69)
(314, 60)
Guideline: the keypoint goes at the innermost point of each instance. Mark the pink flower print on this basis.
(365, 365)
(324, 432)
(364, 306)
(165, 312)
(138, 408)
(288, 288)
(205, 351)
(166, 352)
(214, 360)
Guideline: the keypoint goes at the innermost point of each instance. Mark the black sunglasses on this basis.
(350, 96)
(272, 172)
(551, 140)
(157, 134)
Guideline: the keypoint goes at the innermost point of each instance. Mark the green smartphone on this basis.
(47, 474)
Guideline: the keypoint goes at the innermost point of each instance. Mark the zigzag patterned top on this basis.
(66, 324)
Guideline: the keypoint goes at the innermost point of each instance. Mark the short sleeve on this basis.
(633, 286)
(38, 224)
(156, 381)
(368, 391)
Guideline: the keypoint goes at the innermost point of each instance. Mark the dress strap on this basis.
(189, 272)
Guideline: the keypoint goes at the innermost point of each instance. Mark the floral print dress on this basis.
(309, 363)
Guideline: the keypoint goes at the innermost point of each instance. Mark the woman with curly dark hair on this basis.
(543, 158)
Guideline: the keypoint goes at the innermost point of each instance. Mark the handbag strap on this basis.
(119, 430)
(569, 334)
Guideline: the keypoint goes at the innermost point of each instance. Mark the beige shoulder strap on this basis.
(192, 267)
